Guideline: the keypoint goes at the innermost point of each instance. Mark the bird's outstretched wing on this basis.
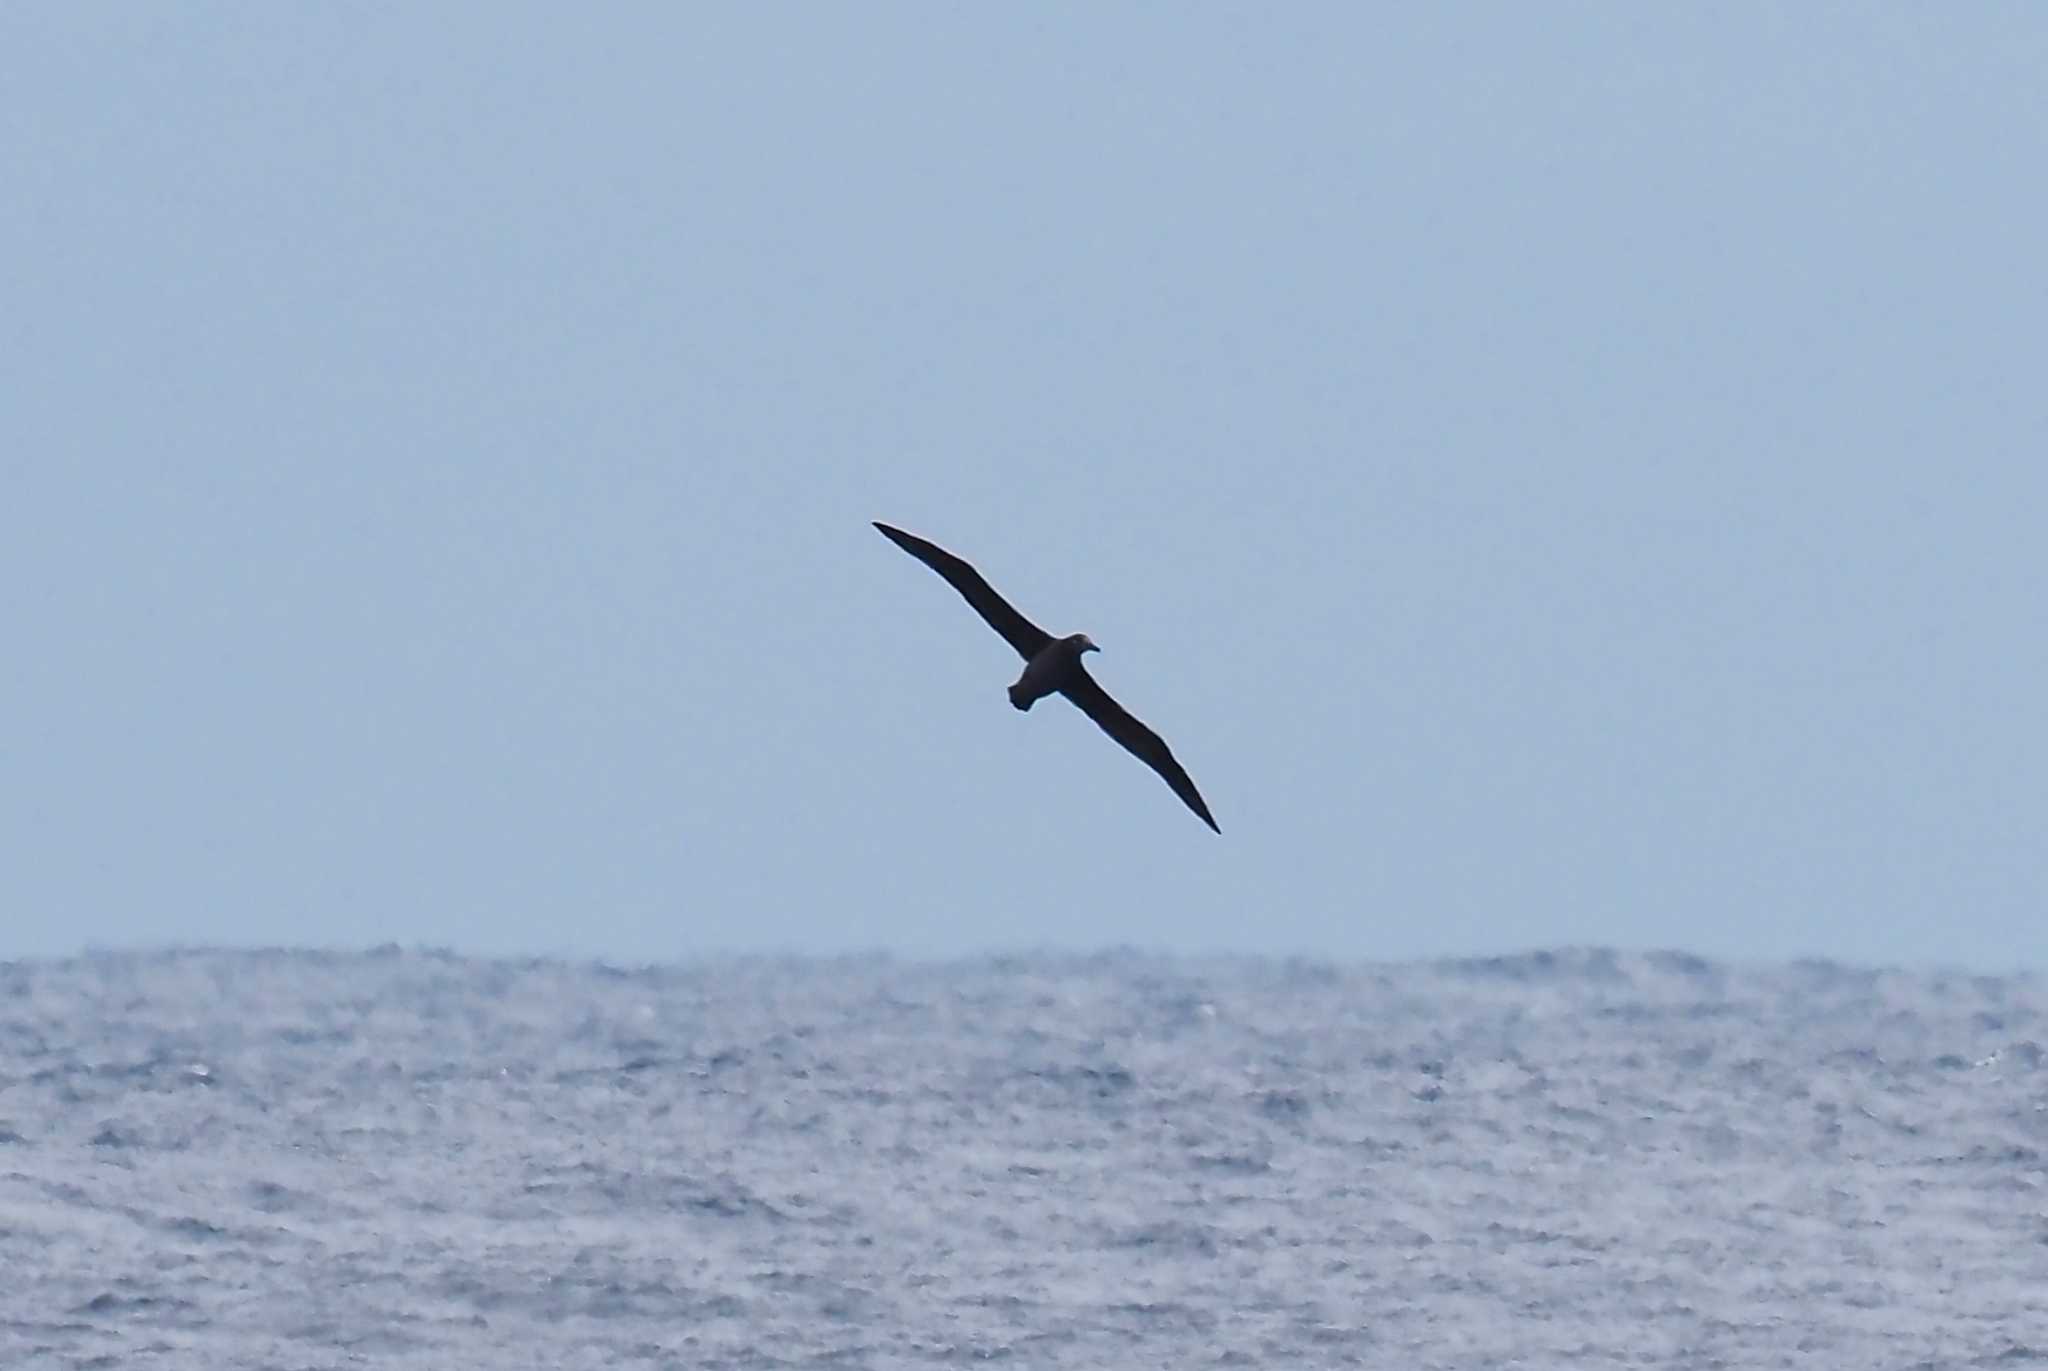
(1147, 746)
(1028, 638)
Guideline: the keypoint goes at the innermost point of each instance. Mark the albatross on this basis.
(1053, 665)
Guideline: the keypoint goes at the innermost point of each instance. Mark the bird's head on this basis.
(1083, 643)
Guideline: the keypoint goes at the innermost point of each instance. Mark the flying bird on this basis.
(1053, 665)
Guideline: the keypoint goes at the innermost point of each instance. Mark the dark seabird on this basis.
(1053, 664)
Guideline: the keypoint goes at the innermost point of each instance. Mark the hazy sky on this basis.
(1555, 473)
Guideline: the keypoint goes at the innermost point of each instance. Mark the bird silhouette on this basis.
(1053, 665)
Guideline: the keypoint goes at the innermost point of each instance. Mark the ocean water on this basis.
(296, 1159)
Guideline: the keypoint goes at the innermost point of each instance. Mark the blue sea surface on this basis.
(303, 1159)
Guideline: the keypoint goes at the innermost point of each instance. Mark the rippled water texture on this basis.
(409, 1159)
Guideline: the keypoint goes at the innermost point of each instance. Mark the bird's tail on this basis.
(1019, 698)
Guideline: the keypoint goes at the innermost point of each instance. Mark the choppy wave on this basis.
(1573, 1157)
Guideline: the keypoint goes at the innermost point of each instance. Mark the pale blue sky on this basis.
(1556, 474)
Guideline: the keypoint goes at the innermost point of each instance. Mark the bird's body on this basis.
(1053, 666)
(1050, 669)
